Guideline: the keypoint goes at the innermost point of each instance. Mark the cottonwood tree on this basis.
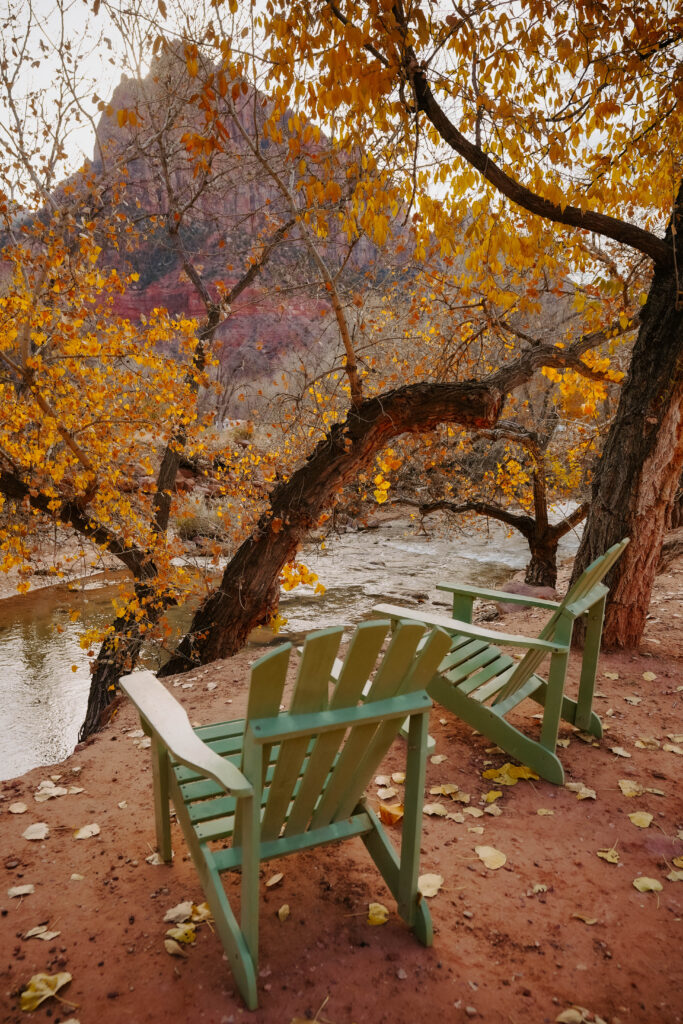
(556, 129)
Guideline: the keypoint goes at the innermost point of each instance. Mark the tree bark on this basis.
(640, 469)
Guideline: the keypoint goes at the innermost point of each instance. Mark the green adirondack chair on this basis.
(276, 783)
(481, 684)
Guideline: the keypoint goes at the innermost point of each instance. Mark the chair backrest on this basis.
(579, 598)
(316, 758)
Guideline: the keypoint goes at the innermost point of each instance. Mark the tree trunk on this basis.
(247, 594)
(640, 469)
(542, 569)
(120, 651)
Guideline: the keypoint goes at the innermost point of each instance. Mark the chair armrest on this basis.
(497, 595)
(394, 611)
(168, 722)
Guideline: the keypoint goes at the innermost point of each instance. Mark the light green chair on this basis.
(481, 684)
(276, 783)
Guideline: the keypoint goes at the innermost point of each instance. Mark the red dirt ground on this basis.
(508, 947)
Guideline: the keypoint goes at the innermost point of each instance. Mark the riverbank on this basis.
(556, 926)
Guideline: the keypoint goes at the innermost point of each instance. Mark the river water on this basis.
(44, 672)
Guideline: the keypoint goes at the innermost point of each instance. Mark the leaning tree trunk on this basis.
(640, 468)
(120, 650)
(248, 591)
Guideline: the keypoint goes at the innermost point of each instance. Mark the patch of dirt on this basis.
(511, 945)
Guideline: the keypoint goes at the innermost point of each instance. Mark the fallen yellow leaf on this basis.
(446, 789)
(41, 987)
(620, 752)
(647, 743)
(428, 885)
(377, 914)
(582, 791)
(641, 819)
(493, 795)
(88, 831)
(283, 912)
(509, 774)
(630, 788)
(492, 858)
(435, 809)
(390, 814)
(184, 933)
(544, 811)
(438, 758)
(649, 676)
(645, 884)
(173, 949)
(610, 855)
(274, 880)
(586, 920)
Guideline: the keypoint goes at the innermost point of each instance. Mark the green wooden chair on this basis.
(276, 783)
(482, 684)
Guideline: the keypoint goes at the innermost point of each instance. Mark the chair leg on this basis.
(242, 965)
(411, 907)
(162, 818)
(589, 666)
(553, 701)
(241, 951)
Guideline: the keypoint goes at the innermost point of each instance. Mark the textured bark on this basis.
(118, 654)
(635, 489)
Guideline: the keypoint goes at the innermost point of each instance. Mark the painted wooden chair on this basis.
(481, 684)
(276, 783)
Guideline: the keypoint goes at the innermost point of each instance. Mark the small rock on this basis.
(471, 1011)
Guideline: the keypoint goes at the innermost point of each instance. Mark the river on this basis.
(44, 672)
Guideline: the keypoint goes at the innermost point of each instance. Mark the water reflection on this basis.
(44, 672)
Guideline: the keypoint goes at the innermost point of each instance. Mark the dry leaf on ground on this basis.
(492, 858)
(377, 914)
(611, 855)
(647, 743)
(645, 884)
(185, 933)
(641, 819)
(37, 831)
(435, 809)
(390, 814)
(582, 791)
(88, 831)
(181, 912)
(173, 948)
(274, 880)
(283, 912)
(428, 885)
(41, 987)
(20, 890)
(17, 808)
(41, 932)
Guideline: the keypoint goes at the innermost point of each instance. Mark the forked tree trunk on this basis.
(640, 468)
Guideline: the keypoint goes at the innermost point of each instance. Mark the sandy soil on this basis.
(555, 927)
